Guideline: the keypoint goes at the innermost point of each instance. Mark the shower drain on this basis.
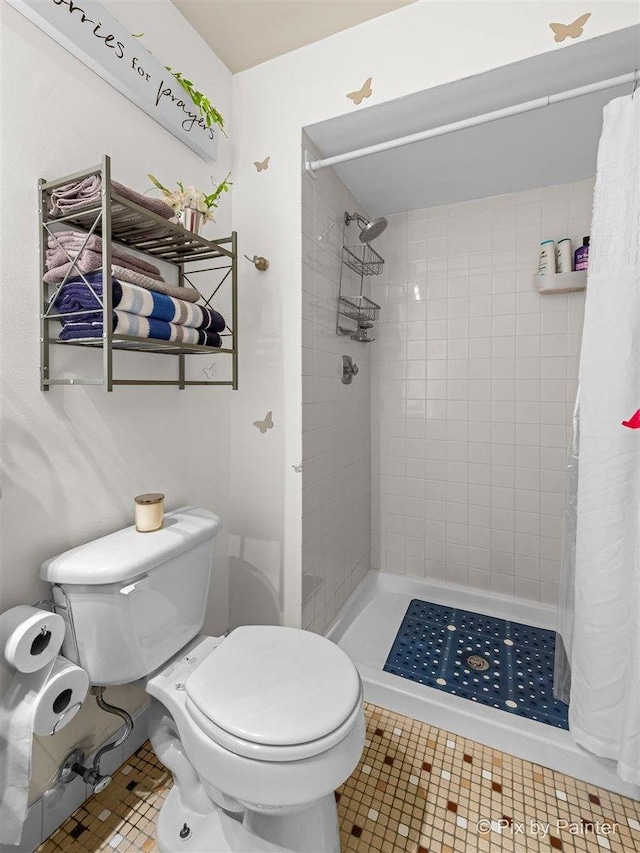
(478, 663)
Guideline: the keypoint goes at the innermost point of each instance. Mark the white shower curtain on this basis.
(602, 639)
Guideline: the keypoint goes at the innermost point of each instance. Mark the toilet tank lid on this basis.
(126, 554)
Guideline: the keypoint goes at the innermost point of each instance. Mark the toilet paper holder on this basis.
(67, 615)
(72, 709)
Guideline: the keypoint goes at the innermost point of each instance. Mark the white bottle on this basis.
(564, 256)
(547, 259)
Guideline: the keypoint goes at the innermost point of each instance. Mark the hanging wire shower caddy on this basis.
(364, 261)
(359, 308)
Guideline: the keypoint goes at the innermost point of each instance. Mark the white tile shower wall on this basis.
(336, 437)
(473, 386)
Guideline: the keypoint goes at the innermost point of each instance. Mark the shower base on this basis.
(366, 628)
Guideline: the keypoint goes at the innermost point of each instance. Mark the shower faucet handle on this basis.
(349, 369)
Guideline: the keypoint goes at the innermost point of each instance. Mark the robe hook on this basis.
(259, 262)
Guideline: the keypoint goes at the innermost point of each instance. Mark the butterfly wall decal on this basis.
(364, 92)
(210, 372)
(574, 30)
(297, 468)
(633, 422)
(265, 424)
(262, 165)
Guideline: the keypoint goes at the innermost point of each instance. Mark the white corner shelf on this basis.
(561, 282)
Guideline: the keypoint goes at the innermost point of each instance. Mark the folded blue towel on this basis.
(139, 327)
(75, 296)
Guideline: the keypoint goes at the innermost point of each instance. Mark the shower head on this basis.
(371, 228)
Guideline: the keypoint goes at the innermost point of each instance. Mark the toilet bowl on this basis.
(263, 764)
(258, 728)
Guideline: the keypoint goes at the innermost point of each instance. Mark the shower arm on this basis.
(355, 217)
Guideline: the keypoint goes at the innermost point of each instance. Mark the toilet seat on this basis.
(262, 752)
(275, 694)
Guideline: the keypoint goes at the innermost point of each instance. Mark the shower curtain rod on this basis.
(528, 106)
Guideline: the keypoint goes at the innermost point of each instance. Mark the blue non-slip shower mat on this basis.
(492, 661)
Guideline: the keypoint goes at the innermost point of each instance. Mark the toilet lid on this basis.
(275, 686)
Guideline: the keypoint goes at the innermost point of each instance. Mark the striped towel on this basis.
(75, 296)
(139, 327)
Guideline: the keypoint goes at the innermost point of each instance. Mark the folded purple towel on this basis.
(75, 196)
(73, 241)
(89, 259)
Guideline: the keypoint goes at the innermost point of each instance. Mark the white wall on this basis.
(412, 49)
(336, 418)
(473, 386)
(75, 457)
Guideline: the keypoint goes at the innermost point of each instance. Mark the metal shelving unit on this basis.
(121, 222)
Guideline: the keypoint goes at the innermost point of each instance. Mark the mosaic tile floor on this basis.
(123, 816)
(417, 789)
(495, 662)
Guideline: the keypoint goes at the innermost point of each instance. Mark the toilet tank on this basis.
(135, 598)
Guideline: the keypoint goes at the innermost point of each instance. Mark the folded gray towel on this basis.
(187, 294)
(73, 241)
(75, 196)
(85, 263)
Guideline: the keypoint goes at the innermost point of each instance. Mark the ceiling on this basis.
(244, 33)
(552, 145)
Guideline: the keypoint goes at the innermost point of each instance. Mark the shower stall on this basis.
(435, 483)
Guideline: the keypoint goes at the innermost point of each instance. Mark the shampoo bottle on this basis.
(547, 258)
(565, 255)
(582, 255)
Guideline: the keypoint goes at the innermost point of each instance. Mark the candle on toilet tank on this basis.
(149, 512)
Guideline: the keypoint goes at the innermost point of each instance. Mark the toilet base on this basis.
(213, 832)
(313, 830)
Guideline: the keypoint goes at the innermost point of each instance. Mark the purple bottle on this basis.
(582, 255)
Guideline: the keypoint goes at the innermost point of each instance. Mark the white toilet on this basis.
(258, 728)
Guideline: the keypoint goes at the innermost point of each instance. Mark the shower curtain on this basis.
(600, 601)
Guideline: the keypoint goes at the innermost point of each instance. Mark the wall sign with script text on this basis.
(91, 33)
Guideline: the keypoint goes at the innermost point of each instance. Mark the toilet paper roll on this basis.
(30, 637)
(61, 697)
(40, 702)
